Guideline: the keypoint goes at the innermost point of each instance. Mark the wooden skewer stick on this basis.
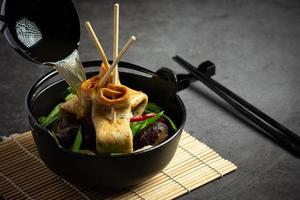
(104, 58)
(116, 42)
(115, 79)
(97, 43)
(113, 65)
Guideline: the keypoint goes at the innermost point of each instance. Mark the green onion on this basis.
(54, 114)
(42, 119)
(151, 120)
(171, 122)
(152, 107)
(69, 96)
(70, 90)
(77, 141)
(136, 127)
(52, 117)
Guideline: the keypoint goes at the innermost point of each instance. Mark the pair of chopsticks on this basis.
(116, 55)
(273, 129)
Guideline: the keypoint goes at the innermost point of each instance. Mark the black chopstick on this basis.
(285, 137)
(243, 102)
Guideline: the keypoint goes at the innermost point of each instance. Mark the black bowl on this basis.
(99, 171)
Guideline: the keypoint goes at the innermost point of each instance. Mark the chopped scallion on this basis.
(138, 126)
(69, 96)
(70, 90)
(52, 117)
(171, 122)
(77, 141)
(152, 107)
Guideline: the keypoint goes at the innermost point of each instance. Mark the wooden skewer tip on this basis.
(96, 42)
(113, 65)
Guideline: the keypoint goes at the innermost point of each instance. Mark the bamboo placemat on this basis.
(23, 175)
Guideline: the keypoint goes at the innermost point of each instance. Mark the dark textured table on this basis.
(256, 47)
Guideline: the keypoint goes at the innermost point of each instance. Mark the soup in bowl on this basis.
(104, 170)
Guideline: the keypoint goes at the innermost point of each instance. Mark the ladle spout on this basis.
(40, 32)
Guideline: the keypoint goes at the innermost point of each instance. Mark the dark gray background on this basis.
(256, 47)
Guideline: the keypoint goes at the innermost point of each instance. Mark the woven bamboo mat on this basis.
(24, 176)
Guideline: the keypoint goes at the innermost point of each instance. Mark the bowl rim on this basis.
(35, 124)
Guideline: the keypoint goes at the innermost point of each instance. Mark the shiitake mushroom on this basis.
(151, 135)
(67, 129)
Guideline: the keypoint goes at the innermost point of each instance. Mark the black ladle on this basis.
(184, 80)
(41, 31)
(171, 83)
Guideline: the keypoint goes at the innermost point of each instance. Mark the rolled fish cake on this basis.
(116, 137)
